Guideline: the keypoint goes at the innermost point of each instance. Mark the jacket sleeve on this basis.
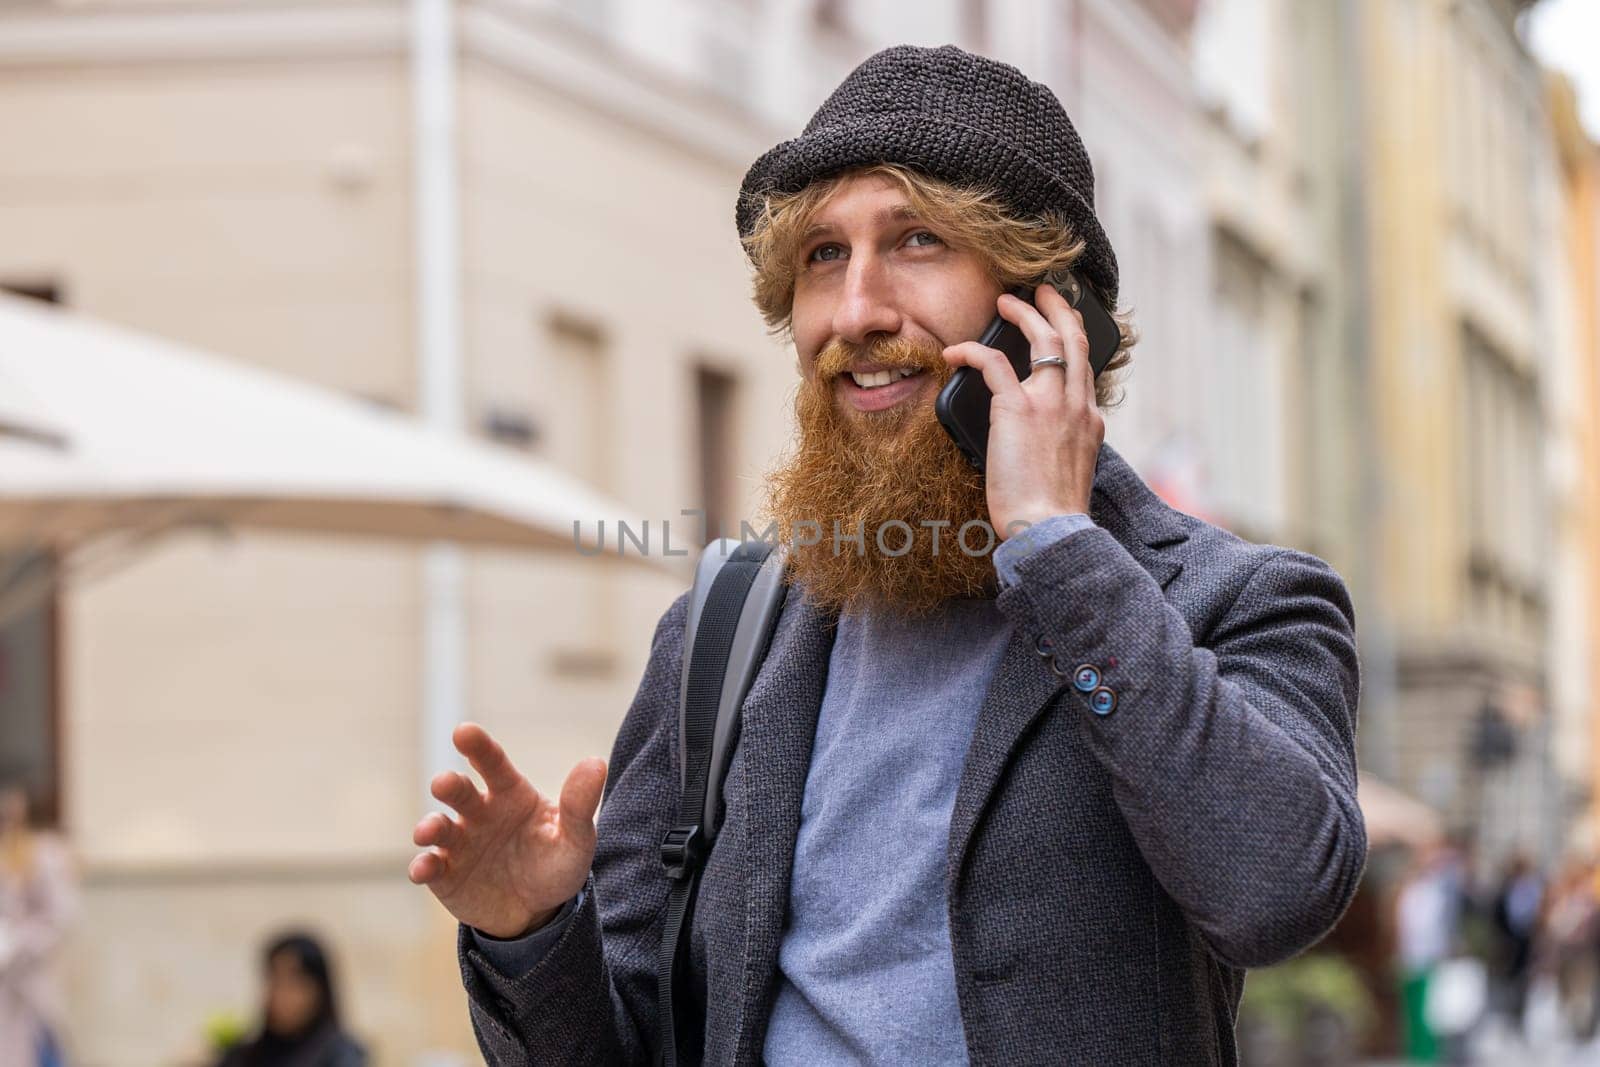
(1232, 759)
(591, 998)
(1026, 542)
(517, 956)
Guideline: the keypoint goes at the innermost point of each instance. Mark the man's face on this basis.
(878, 298)
(872, 273)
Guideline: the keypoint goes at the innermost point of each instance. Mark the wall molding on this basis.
(610, 82)
(537, 47)
(78, 37)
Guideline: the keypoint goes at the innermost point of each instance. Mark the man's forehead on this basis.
(895, 210)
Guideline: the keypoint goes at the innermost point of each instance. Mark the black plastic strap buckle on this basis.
(682, 851)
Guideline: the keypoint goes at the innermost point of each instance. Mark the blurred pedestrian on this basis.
(1569, 948)
(1517, 906)
(38, 898)
(1427, 915)
(300, 1024)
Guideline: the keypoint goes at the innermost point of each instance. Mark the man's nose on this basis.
(866, 304)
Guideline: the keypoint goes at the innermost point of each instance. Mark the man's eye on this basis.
(816, 256)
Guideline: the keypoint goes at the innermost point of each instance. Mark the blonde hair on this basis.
(1014, 250)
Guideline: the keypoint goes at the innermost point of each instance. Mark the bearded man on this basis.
(1044, 804)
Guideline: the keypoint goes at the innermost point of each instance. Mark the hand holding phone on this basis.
(963, 404)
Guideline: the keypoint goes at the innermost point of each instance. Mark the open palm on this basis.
(511, 857)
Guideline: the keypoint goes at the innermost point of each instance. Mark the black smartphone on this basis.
(963, 403)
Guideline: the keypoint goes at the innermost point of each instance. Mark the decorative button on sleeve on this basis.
(1085, 677)
(1103, 700)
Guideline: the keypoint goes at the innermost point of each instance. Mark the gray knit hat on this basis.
(957, 116)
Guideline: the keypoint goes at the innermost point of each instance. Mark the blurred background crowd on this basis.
(324, 319)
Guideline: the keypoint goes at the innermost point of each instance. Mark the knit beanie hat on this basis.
(957, 116)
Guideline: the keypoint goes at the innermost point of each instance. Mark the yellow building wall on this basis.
(1451, 109)
(1580, 158)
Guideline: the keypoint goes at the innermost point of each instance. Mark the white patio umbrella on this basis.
(1394, 817)
(106, 430)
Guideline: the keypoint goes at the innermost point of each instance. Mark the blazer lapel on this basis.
(776, 734)
(1126, 508)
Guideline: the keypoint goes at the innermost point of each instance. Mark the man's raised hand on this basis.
(511, 857)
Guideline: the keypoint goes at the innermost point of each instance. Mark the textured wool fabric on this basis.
(519, 955)
(1107, 879)
(1028, 540)
(957, 116)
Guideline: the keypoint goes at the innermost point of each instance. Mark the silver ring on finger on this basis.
(1047, 361)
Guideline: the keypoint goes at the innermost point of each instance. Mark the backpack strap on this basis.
(733, 609)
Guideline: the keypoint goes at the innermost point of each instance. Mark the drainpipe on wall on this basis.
(436, 224)
(1379, 736)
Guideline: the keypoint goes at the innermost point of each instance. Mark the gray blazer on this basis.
(1108, 878)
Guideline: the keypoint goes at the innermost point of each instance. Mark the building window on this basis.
(829, 15)
(575, 429)
(715, 410)
(975, 24)
(1499, 445)
(1247, 439)
(578, 422)
(1321, 415)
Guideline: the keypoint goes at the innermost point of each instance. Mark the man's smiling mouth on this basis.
(876, 379)
(877, 389)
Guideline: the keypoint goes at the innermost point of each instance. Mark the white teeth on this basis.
(878, 378)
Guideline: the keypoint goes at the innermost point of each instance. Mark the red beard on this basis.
(896, 477)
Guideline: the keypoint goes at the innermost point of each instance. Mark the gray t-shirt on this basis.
(865, 971)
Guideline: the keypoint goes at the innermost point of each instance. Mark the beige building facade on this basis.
(523, 229)
(1282, 401)
(243, 736)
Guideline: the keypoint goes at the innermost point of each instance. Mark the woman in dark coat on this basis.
(300, 1020)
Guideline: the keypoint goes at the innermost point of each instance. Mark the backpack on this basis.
(733, 609)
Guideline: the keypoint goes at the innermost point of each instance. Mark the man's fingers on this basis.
(425, 867)
(457, 790)
(436, 828)
(486, 756)
(580, 795)
(1067, 322)
(1045, 333)
(992, 363)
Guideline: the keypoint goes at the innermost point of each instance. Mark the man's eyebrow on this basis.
(897, 213)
